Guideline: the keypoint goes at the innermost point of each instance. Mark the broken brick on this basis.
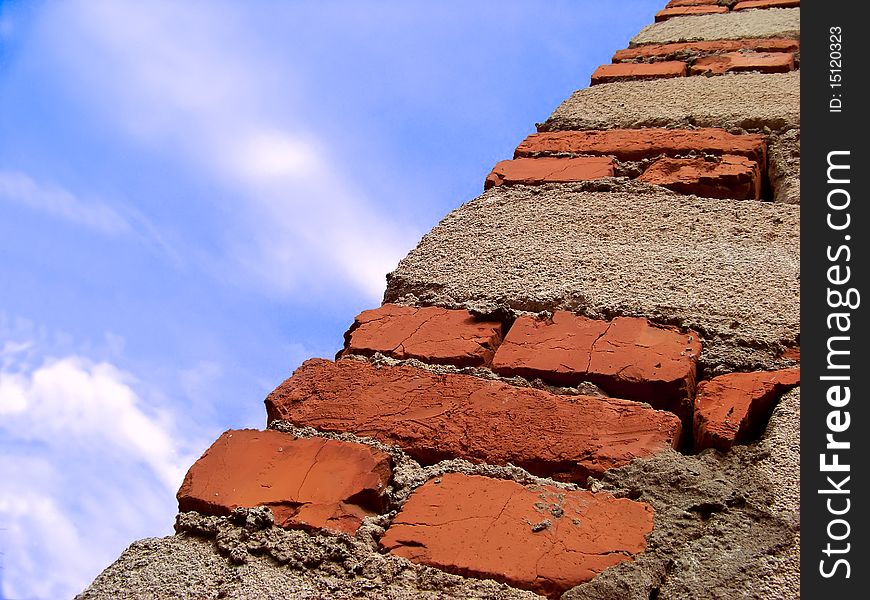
(674, 3)
(627, 357)
(734, 408)
(311, 483)
(687, 11)
(730, 176)
(536, 537)
(528, 171)
(441, 416)
(629, 71)
(681, 49)
(748, 4)
(637, 144)
(737, 62)
(431, 334)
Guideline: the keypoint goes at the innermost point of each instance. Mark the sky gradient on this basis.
(197, 196)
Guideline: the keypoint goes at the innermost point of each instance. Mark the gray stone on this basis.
(784, 166)
(726, 525)
(747, 101)
(727, 269)
(775, 22)
(287, 565)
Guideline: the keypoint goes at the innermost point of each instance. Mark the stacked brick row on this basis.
(483, 351)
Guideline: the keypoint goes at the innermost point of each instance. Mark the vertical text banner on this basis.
(835, 424)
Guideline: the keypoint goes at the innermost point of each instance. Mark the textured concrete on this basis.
(729, 270)
(748, 101)
(727, 525)
(784, 166)
(777, 22)
(297, 567)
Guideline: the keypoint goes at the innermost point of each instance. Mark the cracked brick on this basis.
(528, 171)
(431, 334)
(627, 71)
(750, 4)
(637, 144)
(739, 62)
(308, 483)
(731, 176)
(687, 11)
(538, 538)
(734, 408)
(681, 49)
(627, 357)
(435, 417)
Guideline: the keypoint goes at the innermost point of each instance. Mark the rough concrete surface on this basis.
(314, 568)
(748, 101)
(784, 166)
(729, 270)
(775, 22)
(727, 525)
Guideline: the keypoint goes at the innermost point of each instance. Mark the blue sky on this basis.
(197, 196)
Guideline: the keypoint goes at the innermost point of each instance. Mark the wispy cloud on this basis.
(189, 81)
(57, 202)
(86, 468)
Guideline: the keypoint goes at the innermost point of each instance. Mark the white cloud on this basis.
(86, 469)
(58, 202)
(196, 83)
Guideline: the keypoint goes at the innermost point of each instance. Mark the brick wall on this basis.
(581, 384)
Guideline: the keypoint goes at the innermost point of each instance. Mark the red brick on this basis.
(734, 408)
(675, 3)
(765, 62)
(636, 144)
(538, 538)
(431, 334)
(436, 417)
(307, 482)
(527, 171)
(731, 176)
(678, 49)
(747, 4)
(629, 71)
(792, 354)
(627, 357)
(686, 11)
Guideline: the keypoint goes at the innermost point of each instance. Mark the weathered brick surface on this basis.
(674, 3)
(764, 62)
(627, 357)
(431, 334)
(685, 11)
(308, 483)
(731, 176)
(636, 144)
(435, 417)
(748, 4)
(538, 538)
(628, 71)
(731, 409)
(549, 170)
(682, 49)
